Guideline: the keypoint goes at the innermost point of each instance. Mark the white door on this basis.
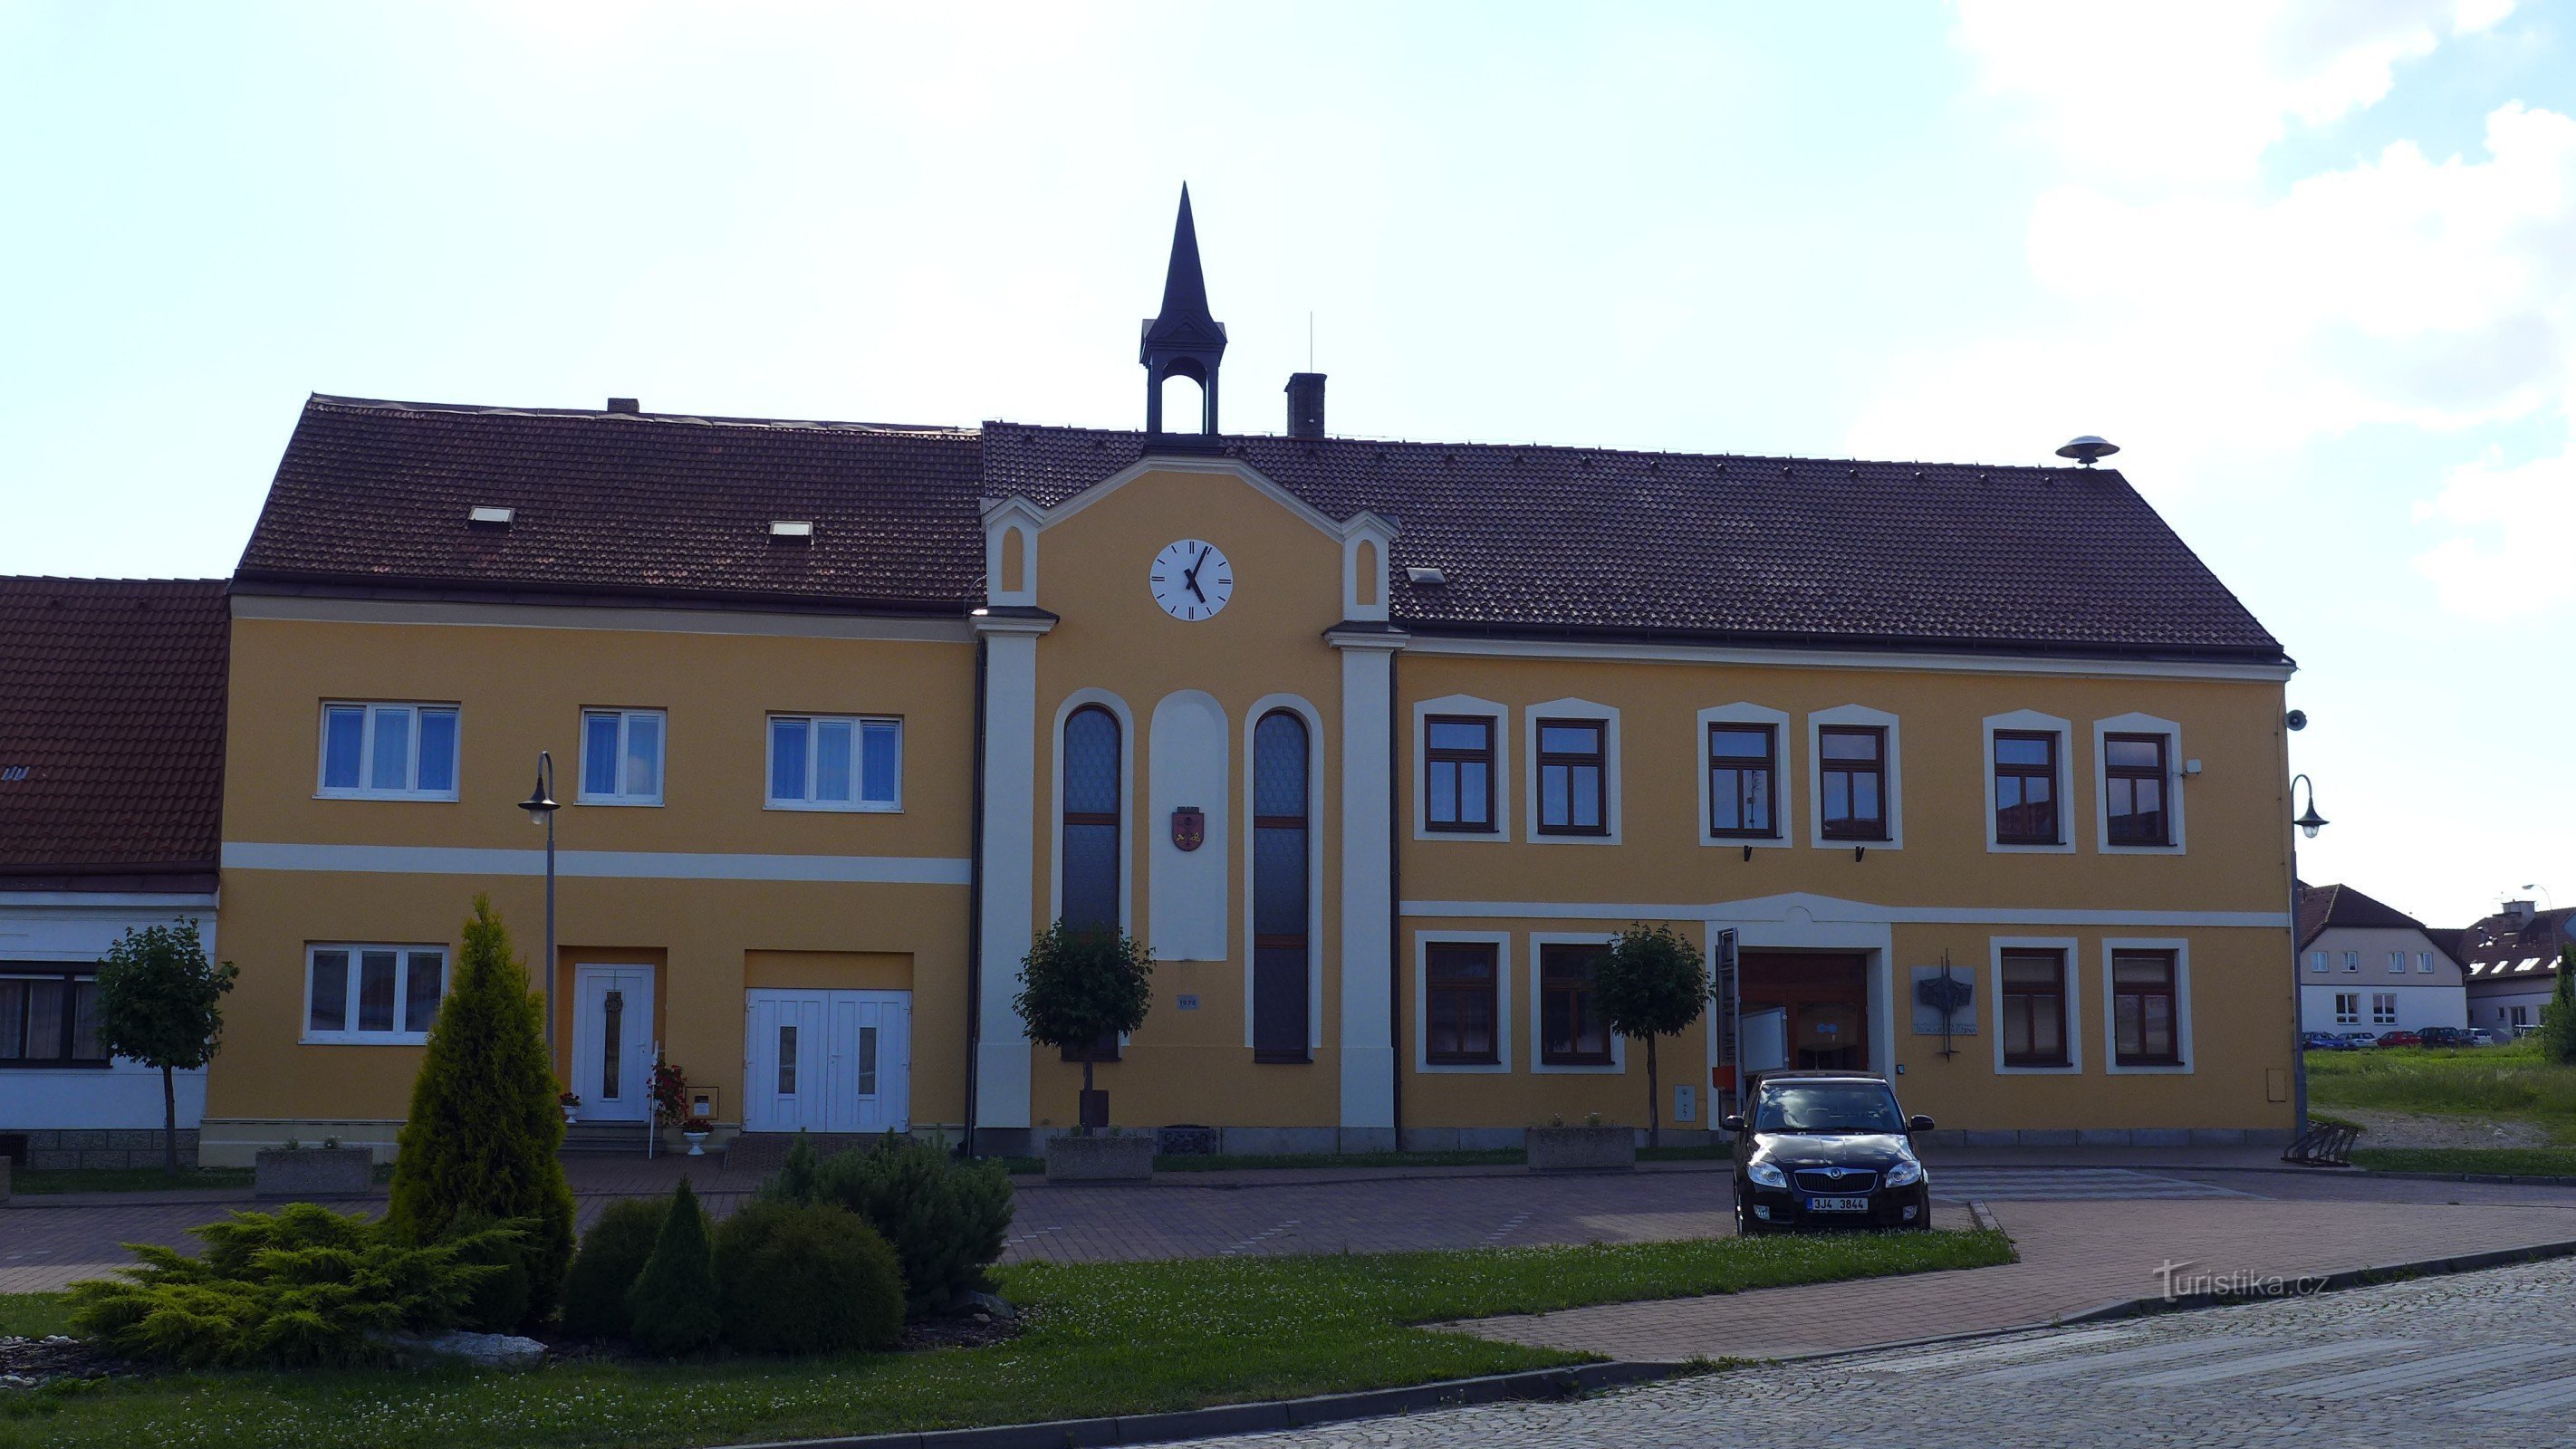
(827, 1061)
(612, 1042)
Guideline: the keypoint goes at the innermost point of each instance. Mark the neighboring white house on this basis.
(111, 785)
(2512, 959)
(2367, 966)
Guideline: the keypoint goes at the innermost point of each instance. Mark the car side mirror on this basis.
(1918, 1123)
(1731, 1123)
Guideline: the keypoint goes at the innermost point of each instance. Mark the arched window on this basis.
(1092, 794)
(1282, 893)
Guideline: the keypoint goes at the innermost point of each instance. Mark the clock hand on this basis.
(1191, 576)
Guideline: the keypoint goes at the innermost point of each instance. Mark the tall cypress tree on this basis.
(2558, 1018)
(485, 1125)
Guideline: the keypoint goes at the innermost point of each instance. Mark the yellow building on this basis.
(1373, 743)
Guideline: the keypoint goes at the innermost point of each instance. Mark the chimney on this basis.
(2521, 911)
(1305, 404)
(623, 405)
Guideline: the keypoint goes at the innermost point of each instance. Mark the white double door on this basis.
(827, 1061)
(612, 1042)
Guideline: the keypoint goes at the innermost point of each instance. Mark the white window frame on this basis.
(2424, 963)
(1784, 791)
(1501, 941)
(1536, 991)
(1579, 711)
(2320, 962)
(322, 790)
(1262, 709)
(2343, 1017)
(813, 761)
(2181, 949)
(661, 761)
(1863, 715)
(2396, 963)
(352, 1035)
(2071, 953)
(2137, 724)
(2031, 721)
(2352, 962)
(1462, 704)
(2383, 1015)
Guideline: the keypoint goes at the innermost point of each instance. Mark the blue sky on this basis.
(2312, 265)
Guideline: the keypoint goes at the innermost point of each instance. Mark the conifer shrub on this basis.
(303, 1287)
(673, 1308)
(485, 1125)
(945, 1218)
(604, 1271)
(502, 1301)
(801, 1278)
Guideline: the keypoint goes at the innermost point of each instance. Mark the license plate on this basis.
(1838, 1204)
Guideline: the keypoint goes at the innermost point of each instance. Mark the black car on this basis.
(2447, 1036)
(1828, 1149)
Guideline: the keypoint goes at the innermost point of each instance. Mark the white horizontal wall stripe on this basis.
(609, 864)
(1734, 911)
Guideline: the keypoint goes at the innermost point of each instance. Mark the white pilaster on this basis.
(1368, 869)
(1010, 863)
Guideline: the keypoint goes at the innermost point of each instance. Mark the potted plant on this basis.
(695, 1129)
(1077, 988)
(571, 1103)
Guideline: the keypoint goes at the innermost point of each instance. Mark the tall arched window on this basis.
(1090, 868)
(1282, 893)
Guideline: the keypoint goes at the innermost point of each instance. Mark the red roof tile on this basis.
(111, 730)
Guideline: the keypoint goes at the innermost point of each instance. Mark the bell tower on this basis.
(1183, 341)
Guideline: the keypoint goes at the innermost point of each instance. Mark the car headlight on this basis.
(1905, 1173)
(1767, 1175)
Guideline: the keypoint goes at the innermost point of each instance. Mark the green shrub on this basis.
(611, 1259)
(945, 1218)
(806, 1278)
(673, 1307)
(302, 1287)
(501, 1302)
(799, 1177)
(485, 1124)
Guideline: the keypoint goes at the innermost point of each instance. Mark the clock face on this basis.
(1191, 580)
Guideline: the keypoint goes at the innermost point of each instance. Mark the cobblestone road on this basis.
(2472, 1360)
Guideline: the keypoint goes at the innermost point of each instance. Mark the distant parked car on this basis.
(2400, 1037)
(2323, 1041)
(2445, 1036)
(2480, 1036)
(2360, 1039)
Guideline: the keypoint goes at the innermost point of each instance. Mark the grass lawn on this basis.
(1289, 1161)
(2506, 1082)
(1113, 1338)
(33, 1315)
(2501, 1161)
(127, 1179)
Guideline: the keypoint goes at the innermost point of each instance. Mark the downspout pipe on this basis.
(975, 914)
(1395, 897)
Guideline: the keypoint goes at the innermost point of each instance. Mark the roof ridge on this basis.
(908, 430)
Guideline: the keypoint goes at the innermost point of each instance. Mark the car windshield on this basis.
(1827, 1107)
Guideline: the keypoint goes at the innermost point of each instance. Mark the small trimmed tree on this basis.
(2558, 1018)
(673, 1307)
(1652, 983)
(1077, 987)
(484, 1125)
(160, 1002)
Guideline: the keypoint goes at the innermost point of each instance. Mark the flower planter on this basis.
(1099, 1159)
(697, 1143)
(311, 1173)
(1582, 1149)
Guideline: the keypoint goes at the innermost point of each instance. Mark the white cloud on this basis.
(2513, 556)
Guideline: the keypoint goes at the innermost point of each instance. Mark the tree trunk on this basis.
(1654, 1100)
(169, 1124)
(1082, 1109)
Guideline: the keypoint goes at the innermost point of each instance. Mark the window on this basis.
(1851, 761)
(389, 751)
(1281, 893)
(1572, 1032)
(1463, 1002)
(2025, 788)
(1743, 781)
(2352, 960)
(2424, 964)
(2521, 1015)
(49, 1016)
(2383, 1008)
(2347, 1008)
(2397, 963)
(2034, 1008)
(1458, 773)
(373, 993)
(1573, 774)
(621, 757)
(2317, 960)
(2144, 1018)
(2135, 786)
(1088, 868)
(835, 762)
(786, 1060)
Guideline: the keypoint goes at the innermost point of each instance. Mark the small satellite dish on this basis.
(2088, 450)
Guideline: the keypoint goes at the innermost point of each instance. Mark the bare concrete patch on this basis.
(2382, 1128)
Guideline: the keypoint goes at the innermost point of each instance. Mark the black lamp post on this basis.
(2309, 823)
(540, 806)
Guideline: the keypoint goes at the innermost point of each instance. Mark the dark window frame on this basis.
(1303, 824)
(69, 977)
(1490, 989)
(1855, 829)
(1571, 761)
(1736, 765)
(1436, 756)
(2022, 1002)
(2171, 961)
(2046, 772)
(1107, 1049)
(2161, 773)
(1578, 989)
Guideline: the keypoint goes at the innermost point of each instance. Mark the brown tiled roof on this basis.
(112, 706)
(623, 503)
(2497, 944)
(1532, 539)
(2322, 908)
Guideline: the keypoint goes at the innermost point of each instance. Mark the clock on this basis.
(1191, 579)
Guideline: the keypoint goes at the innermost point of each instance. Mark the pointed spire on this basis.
(1184, 316)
